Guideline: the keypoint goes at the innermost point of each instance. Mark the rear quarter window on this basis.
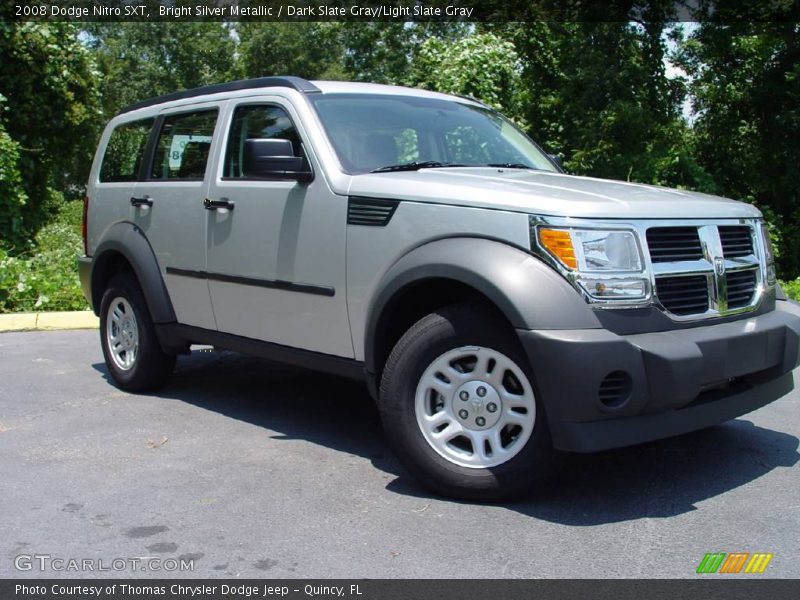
(125, 151)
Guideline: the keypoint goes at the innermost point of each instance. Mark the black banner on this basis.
(296, 589)
(400, 10)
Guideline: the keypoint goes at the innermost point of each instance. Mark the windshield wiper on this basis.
(508, 165)
(415, 166)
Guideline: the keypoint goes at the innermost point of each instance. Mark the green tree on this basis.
(51, 117)
(305, 49)
(482, 65)
(597, 94)
(141, 60)
(377, 52)
(746, 98)
(12, 192)
(385, 52)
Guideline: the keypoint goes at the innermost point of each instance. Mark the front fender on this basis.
(530, 294)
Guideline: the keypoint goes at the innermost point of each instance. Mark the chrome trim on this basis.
(708, 265)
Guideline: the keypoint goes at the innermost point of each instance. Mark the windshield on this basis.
(371, 132)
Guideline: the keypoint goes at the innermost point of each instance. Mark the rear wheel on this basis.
(131, 349)
(459, 407)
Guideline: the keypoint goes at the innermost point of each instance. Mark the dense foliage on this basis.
(12, 191)
(605, 104)
(46, 277)
(51, 112)
(746, 95)
(139, 60)
(483, 66)
(596, 93)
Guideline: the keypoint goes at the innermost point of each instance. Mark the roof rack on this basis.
(296, 83)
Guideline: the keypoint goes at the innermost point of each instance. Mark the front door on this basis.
(276, 248)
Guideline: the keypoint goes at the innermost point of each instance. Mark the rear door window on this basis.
(125, 151)
(183, 146)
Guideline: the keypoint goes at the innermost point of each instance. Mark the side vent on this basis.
(374, 212)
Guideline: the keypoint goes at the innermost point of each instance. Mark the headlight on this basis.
(591, 250)
(606, 264)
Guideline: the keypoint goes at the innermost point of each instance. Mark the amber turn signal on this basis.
(558, 242)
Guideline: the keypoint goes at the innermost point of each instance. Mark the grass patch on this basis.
(46, 276)
(791, 288)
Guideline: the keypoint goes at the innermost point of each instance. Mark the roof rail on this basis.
(471, 98)
(296, 83)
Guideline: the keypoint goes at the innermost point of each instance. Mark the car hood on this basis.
(546, 193)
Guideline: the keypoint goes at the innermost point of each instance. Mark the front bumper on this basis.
(673, 382)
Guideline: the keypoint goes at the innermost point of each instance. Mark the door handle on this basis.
(215, 204)
(139, 202)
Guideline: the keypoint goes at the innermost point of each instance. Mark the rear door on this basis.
(169, 206)
(276, 260)
(124, 154)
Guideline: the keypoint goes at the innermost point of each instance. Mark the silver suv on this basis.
(500, 311)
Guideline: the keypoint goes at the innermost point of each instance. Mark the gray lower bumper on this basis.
(85, 274)
(676, 381)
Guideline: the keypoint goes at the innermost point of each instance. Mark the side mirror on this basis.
(556, 159)
(266, 158)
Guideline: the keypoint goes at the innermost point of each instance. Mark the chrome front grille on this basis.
(683, 295)
(737, 240)
(669, 244)
(741, 288)
(692, 269)
(704, 270)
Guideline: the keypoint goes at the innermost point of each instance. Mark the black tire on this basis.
(449, 328)
(152, 367)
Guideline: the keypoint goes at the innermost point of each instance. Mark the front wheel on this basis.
(131, 349)
(459, 407)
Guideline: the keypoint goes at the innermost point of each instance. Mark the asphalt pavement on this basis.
(244, 468)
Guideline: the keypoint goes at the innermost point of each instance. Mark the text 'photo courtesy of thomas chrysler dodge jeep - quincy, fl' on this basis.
(501, 312)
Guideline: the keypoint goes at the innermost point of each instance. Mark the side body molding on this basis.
(529, 293)
(128, 240)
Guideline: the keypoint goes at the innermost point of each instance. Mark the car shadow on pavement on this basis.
(658, 479)
(655, 480)
(295, 403)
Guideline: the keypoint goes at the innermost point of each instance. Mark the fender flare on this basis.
(130, 241)
(529, 293)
